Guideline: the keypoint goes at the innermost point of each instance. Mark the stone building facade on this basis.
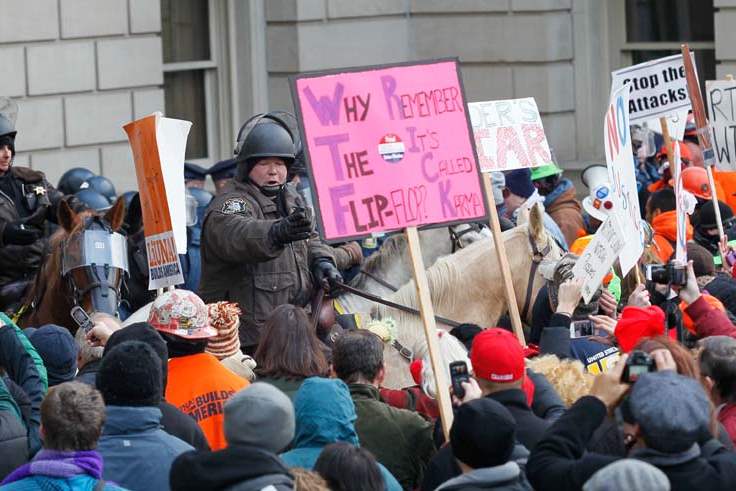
(80, 69)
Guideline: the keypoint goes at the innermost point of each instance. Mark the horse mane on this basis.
(395, 244)
(49, 274)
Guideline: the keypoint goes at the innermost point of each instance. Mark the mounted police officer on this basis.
(259, 247)
(27, 201)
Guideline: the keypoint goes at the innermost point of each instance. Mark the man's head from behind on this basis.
(660, 202)
(668, 412)
(357, 357)
(483, 434)
(261, 416)
(72, 416)
(718, 367)
(57, 349)
(498, 360)
(130, 375)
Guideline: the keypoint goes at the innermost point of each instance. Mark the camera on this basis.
(637, 365)
(666, 274)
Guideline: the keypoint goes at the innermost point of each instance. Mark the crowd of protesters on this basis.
(232, 387)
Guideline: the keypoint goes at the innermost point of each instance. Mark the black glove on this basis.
(18, 234)
(295, 227)
(326, 275)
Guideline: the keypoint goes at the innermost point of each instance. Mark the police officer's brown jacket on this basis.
(240, 262)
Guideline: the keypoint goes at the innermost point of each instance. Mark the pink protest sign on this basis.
(388, 147)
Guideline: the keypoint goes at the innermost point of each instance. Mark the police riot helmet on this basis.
(263, 136)
(93, 200)
(71, 181)
(202, 196)
(8, 115)
(128, 197)
(102, 185)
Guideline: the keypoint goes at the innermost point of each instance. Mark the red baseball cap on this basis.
(497, 356)
(636, 323)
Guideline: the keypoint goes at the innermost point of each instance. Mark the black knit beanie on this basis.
(130, 375)
(144, 332)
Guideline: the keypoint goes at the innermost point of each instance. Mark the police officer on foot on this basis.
(259, 247)
(27, 200)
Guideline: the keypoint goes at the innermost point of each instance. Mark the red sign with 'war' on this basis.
(389, 147)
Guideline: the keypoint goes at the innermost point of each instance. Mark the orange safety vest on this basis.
(199, 385)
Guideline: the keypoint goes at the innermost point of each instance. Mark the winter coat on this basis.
(399, 439)
(565, 210)
(560, 462)
(242, 264)
(508, 477)
(80, 482)
(529, 426)
(199, 385)
(184, 427)
(88, 373)
(708, 320)
(727, 417)
(325, 414)
(443, 467)
(288, 386)
(723, 287)
(665, 234)
(13, 434)
(39, 202)
(136, 451)
(24, 366)
(224, 470)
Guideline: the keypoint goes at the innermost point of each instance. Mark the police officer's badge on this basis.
(39, 190)
(233, 205)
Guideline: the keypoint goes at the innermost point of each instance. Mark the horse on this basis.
(84, 268)
(385, 271)
(467, 287)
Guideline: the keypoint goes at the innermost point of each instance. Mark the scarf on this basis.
(54, 463)
(658, 458)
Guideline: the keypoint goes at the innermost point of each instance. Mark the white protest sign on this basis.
(680, 247)
(599, 256)
(620, 162)
(171, 136)
(676, 123)
(509, 134)
(658, 88)
(719, 95)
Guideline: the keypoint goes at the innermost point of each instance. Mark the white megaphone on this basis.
(599, 202)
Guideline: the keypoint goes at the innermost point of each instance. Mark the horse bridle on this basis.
(537, 258)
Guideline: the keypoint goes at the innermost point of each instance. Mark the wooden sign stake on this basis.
(502, 260)
(430, 330)
(696, 99)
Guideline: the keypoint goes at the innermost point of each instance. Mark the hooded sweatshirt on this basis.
(507, 476)
(325, 414)
(565, 210)
(665, 233)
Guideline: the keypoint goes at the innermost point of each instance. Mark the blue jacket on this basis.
(325, 414)
(81, 482)
(137, 452)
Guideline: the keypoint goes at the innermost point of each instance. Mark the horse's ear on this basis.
(66, 216)
(536, 222)
(116, 214)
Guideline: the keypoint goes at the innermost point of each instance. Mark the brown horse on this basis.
(95, 286)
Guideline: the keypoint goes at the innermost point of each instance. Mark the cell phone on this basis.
(82, 319)
(458, 375)
(579, 329)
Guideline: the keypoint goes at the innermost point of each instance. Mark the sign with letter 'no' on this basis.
(389, 147)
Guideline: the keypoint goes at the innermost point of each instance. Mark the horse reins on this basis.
(537, 257)
(394, 305)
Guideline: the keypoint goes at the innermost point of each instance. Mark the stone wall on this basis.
(507, 48)
(79, 70)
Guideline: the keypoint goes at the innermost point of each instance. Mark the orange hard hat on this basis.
(687, 321)
(695, 180)
(685, 153)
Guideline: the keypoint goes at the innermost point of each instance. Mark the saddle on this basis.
(11, 294)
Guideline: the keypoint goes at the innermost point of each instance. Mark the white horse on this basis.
(467, 287)
(389, 264)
